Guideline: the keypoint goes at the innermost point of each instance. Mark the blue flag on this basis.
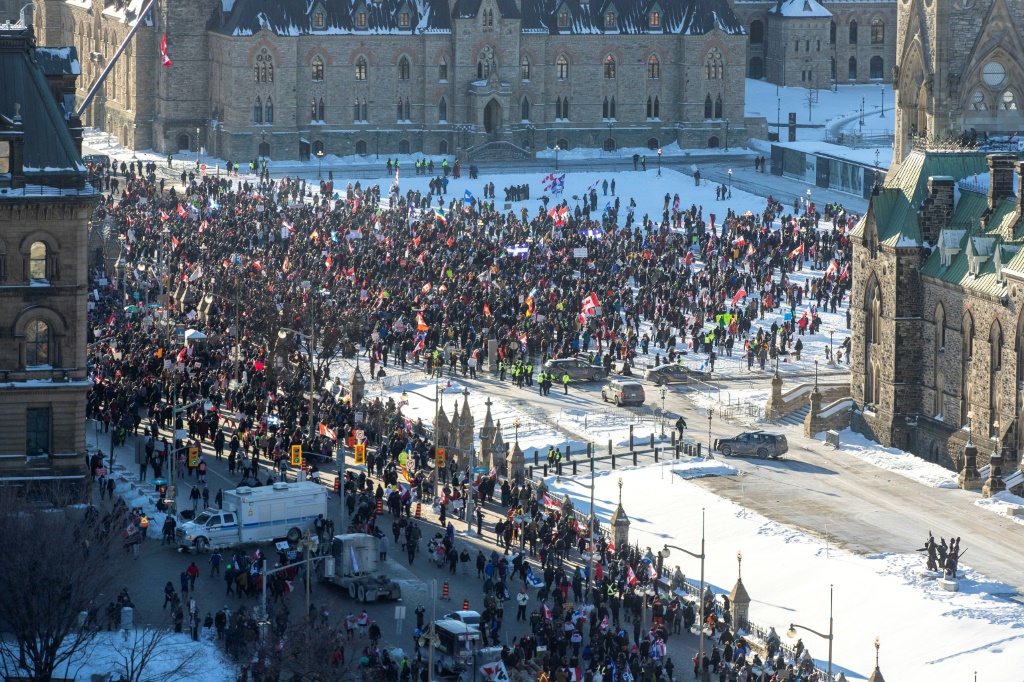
(532, 580)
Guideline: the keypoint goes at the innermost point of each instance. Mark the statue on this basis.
(896, 77)
(929, 546)
(953, 84)
(943, 550)
(953, 560)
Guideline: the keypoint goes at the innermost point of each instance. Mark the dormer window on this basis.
(318, 21)
(361, 20)
(655, 19)
(563, 20)
(5, 157)
(609, 19)
(403, 20)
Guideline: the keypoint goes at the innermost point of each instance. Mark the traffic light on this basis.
(193, 457)
(439, 462)
(359, 452)
(297, 455)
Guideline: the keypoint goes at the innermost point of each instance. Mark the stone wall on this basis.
(833, 417)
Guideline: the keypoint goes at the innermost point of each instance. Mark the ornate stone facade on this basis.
(286, 79)
(959, 70)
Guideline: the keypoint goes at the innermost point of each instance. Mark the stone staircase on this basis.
(796, 417)
(498, 150)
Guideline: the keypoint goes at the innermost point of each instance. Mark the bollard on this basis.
(630, 436)
(418, 509)
(380, 507)
(609, 446)
(655, 455)
(444, 592)
(634, 458)
(652, 440)
(530, 473)
(574, 468)
(613, 461)
(590, 450)
(545, 471)
(698, 449)
(536, 458)
(337, 484)
(558, 468)
(465, 605)
(673, 438)
(568, 453)
(677, 450)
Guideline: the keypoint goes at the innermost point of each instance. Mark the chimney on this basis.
(937, 208)
(1000, 185)
(1020, 190)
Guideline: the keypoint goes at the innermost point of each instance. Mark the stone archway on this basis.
(492, 116)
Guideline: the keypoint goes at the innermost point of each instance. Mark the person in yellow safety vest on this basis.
(558, 455)
(565, 383)
(144, 525)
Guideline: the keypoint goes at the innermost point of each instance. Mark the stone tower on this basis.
(358, 385)
(466, 425)
(801, 54)
(516, 464)
(620, 524)
(441, 425)
(487, 433)
(739, 598)
(498, 452)
(956, 63)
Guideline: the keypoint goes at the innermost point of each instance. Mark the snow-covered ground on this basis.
(926, 633)
(174, 657)
(1004, 503)
(838, 110)
(896, 461)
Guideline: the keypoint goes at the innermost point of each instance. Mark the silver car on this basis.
(578, 370)
(662, 375)
(623, 392)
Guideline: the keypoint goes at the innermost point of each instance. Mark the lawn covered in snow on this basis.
(926, 633)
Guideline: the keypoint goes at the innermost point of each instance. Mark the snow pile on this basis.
(1004, 503)
(897, 461)
(925, 632)
(599, 425)
(699, 468)
(110, 650)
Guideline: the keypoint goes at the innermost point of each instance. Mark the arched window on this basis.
(403, 146)
(364, 111)
(853, 32)
(714, 65)
(995, 338)
(657, 108)
(604, 110)
(877, 67)
(442, 147)
(653, 67)
(609, 67)
(318, 148)
(320, 110)
(37, 343)
(562, 67)
(995, 401)
(407, 117)
(609, 144)
(650, 108)
(654, 20)
(524, 109)
(708, 107)
(442, 69)
(524, 68)
(611, 108)
(940, 329)
(361, 68)
(268, 111)
(403, 68)
(937, 355)
(318, 68)
(558, 108)
(718, 106)
(832, 33)
(37, 261)
(483, 69)
(442, 111)
(757, 32)
(852, 73)
(355, 112)
(257, 111)
(312, 110)
(873, 313)
(398, 110)
(978, 101)
(967, 355)
(756, 68)
(361, 147)
(270, 73)
(1008, 101)
(877, 32)
(565, 108)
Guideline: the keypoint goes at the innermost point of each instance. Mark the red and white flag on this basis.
(182, 212)
(797, 251)
(545, 611)
(259, 266)
(630, 576)
(328, 263)
(324, 431)
(165, 60)
(590, 304)
(832, 268)
(739, 294)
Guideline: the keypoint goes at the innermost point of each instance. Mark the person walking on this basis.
(565, 382)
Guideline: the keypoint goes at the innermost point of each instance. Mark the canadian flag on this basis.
(182, 212)
(174, 242)
(426, 288)
(545, 611)
(590, 304)
(487, 310)
(324, 431)
(328, 262)
(163, 215)
(630, 576)
(604, 623)
(165, 60)
(832, 267)
(259, 266)
(739, 294)
(797, 251)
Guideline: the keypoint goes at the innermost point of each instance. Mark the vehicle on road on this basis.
(623, 392)
(469, 617)
(356, 568)
(759, 443)
(578, 370)
(253, 515)
(456, 643)
(663, 375)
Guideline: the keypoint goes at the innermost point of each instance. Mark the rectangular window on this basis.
(403, 20)
(5, 157)
(361, 20)
(563, 20)
(655, 19)
(37, 431)
(609, 19)
(877, 33)
(318, 20)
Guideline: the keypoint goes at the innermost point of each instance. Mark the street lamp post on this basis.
(557, 148)
(664, 391)
(881, 112)
(320, 163)
(730, 183)
(429, 639)
(197, 146)
(793, 626)
(710, 414)
(808, 202)
(726, 134)
(665, 553)
(659, 162)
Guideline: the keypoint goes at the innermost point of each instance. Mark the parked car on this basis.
(662, 375)
(623, 392)
(96, 159)
(468, 617)
(578, 370)
(759, 443)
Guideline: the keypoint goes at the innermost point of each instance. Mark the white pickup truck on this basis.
(256, 515)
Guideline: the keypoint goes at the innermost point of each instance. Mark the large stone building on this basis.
(45, 205)
(960, 69)
(288, 78)
(810, 44)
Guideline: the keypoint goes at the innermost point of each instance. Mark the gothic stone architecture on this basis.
(960, 68)
(810, 44)
(289, 78)
(45, 204)
(939, 284)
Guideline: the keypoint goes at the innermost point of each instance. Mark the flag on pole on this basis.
(196, 274)
(324, 431)
(165, 60)
(739, 294)
(832, 268)
(174, 242)
(545, 611)
(797, 251)
(182, 212)
(487, 310)
(439, 215)
(630, 576)
(532, 580)
(522, 342)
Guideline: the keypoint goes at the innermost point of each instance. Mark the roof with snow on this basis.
(58, 61)
(800, 8)
(296, 17)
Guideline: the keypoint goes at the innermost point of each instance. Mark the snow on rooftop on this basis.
(800, 8)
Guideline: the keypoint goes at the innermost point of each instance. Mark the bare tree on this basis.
(313, 651)
(155, 655)
(58, 565)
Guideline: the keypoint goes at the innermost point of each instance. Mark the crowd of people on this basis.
(267, 269)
